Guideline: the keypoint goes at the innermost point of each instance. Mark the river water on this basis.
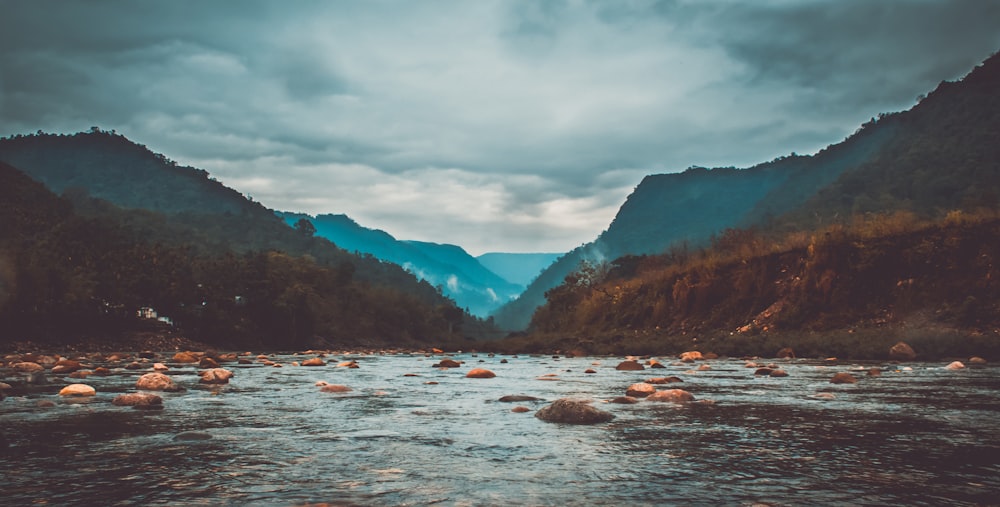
(919, 434)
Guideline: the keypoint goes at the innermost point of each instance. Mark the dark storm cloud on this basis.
(518, 125)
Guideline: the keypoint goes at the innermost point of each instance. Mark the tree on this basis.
(305, 227)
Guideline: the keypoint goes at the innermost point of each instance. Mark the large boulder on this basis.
(146, 401)
(630, 365)
(77, 390)
(216, 376)
(902, 352)
(640, 390)
(156, 382)
(480, 373)
(569, 411)
(671, 396)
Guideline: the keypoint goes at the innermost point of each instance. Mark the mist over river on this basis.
(919, 434)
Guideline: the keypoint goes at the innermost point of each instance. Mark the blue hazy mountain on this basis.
(459, 275)
(518, 268)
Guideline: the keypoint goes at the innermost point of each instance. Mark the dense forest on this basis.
(891, 235)
(68, 275)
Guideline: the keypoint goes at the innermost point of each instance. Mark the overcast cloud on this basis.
(494, 125)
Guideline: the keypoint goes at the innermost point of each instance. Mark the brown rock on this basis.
(763, 371)
(902, 352)
(447, 363)
(520, 409)
(640, 390)
(216, 376)
(704, 367)
(517, 397)
(156, 382)
(785, 353)
(316, 361)
(671, 396)
(77, 390)
(569, 411)
(333, 388)
(185, 357)
(66, 366)
(590, 371)
(690, 356)
(955, 365)
(664, 380)
(480, 373)
(134, 366)
(208, 363)
(709, 355)
(779, 373)
(629, 365)
(160, 367)
(26, 367)
(139, 400)
(624, 400)
(976, 360)
(348, 364)
(843, 378)
(102, 371)
(874, 372)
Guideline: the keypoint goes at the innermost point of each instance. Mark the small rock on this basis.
(902, 352)
(134, 366)
(874, 372)
(664, 380)
(624, 400)
(569, 411)
(480, 373)
(690, 356)
(216, 376)
(779, 373)
(704, 367)
(955, 365)
(517, 397)
(671, 395)
(447, 363)
(160, 367)
(26, 367)
(763, 371)
(630, 365)
(334, 388)
(976, 360)
(156, 382)
(208, 363)
(102, 371)
(640, 390)
(590, 371)
(520, 409)
(66, 366)
(193, 435)
(843, 378)
(316, 361)
(785, 353)
(77, 390)
(185, 357)
(147, 401)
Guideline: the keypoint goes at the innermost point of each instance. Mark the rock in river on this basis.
(843, 378)
(630, 366)
(517, 397)
(216, 376)
(671, 396)
(480, 373)
(640, 390)
(77, 390)
(902, 352)
(156, 382)
(571, 411)
(146, 401)
(446, 363)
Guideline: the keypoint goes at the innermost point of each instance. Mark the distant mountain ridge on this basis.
(941, 153)
(519, 268)
(459, 275)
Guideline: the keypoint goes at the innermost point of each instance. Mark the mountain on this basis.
(518, 268)
(146, 230)
(459, 275)
(941, 154)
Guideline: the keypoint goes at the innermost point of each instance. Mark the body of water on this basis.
(919, 434)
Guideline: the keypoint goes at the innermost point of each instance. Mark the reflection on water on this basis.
(929, 436)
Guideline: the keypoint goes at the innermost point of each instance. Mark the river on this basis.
(919, 434)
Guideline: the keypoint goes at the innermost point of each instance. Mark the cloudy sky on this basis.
(496, 125)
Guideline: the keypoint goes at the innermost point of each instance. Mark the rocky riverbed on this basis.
(392, 427)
